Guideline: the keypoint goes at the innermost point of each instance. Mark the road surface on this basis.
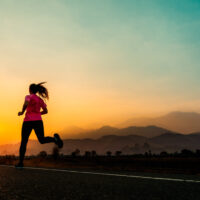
(42, 184)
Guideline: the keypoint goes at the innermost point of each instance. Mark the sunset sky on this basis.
(104, 61)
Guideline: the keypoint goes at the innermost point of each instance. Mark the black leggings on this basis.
(27, 127)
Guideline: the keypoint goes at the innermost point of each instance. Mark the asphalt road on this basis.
(49, 184)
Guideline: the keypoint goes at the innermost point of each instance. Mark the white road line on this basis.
(108, 174)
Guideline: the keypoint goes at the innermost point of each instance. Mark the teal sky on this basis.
(111, 56)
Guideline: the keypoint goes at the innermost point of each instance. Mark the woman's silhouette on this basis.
(33, 120)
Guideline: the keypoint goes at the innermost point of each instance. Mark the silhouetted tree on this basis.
(150, 154)
(146, 154)
(76, 153)
(164, 154)
(94, 153)
(42, 154)
(55, 153)
(118, 153)
(87, 153)
(187, 153)
(198, 152)
(109, 153)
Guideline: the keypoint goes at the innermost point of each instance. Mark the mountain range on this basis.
(183, 122)
(129, 140)
(149, 131)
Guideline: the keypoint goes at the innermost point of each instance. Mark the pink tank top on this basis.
(34, 106)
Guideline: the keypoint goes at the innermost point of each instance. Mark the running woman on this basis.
(35, 107)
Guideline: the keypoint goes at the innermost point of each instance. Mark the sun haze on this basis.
(104, 61)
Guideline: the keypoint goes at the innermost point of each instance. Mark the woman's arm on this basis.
(23, 108)
(45, 111)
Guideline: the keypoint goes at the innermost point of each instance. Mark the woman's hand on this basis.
(23, 109)
(20, 113)
(44, 112)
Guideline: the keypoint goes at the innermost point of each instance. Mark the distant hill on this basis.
(101, 145)
(128, 144)
(149, 131)
(183, 122)
(174, 142)
(94, 134)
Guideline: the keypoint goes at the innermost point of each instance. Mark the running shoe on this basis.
(19, 166)
(58, 140)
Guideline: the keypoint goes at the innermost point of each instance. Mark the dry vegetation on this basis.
(186, 162)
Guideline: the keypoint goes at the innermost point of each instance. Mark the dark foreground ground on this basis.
(38, 184)
(164, 165)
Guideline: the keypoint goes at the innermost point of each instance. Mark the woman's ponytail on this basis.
(43, 92)
(40, 89)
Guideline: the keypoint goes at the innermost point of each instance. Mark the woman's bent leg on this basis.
(26, 131)
(39, 131)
